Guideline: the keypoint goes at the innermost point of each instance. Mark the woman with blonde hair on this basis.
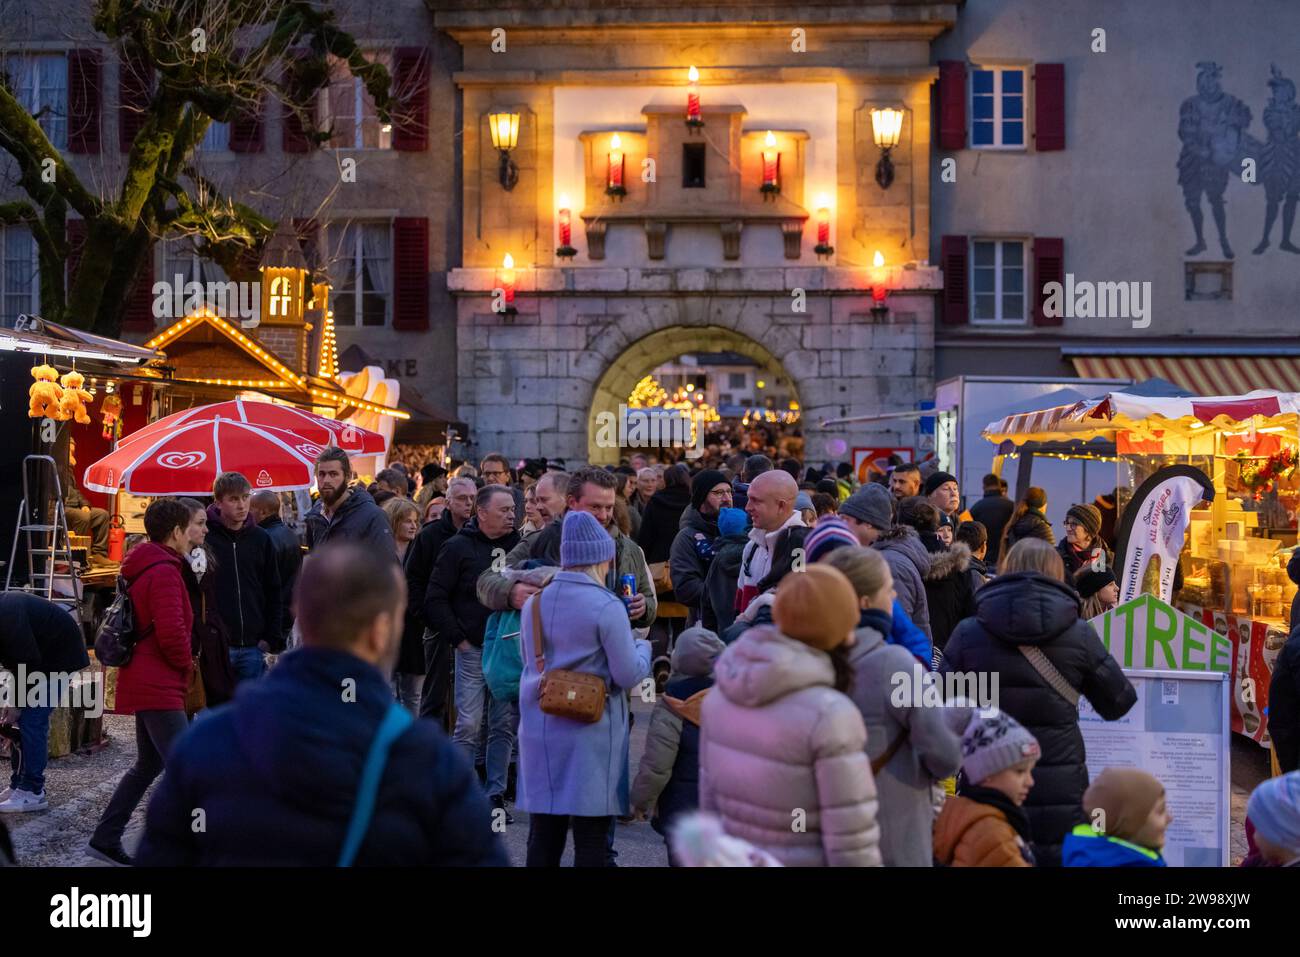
(1028, 631)
(404, 520)
(910, 745)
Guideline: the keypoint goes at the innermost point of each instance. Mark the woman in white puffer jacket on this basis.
(782, 748)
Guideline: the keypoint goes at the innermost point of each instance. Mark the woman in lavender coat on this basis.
(572, 773)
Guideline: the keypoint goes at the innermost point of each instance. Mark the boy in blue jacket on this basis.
(1129, 817)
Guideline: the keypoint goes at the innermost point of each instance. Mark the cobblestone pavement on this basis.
(79, 787)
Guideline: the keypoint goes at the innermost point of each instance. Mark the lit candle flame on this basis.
(615, 143)
(770, 141)
(508, 262)
(693, 75)
(564, 201)
(878, 260)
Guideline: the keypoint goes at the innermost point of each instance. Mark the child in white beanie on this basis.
(1274, 810)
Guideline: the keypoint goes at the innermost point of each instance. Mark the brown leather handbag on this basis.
(565, 694)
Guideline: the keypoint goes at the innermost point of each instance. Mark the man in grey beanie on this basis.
(869, 513)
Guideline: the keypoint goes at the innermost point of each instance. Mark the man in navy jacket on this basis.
(276, 772)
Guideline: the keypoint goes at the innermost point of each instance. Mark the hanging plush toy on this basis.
(45, 394)
(73, 403)
(111, 411)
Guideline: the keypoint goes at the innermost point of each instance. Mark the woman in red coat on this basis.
(152, 685)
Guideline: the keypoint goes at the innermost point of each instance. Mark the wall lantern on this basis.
(879, 287)
(284, 277)
(886, 125)
(505, 137)
(823, 247)
(771, 167)
(614, 161)
(693, 119)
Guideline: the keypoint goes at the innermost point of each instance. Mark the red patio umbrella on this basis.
(316, 429)
(186, 460)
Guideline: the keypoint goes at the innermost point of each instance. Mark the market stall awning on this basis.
(1204, 374)
(1124, 411)
(41, 337)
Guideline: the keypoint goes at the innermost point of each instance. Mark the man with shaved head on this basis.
(778, 530)
(265, 507)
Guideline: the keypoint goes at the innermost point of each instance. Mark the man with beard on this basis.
(346, 512)
(692, 549)
(905, 481)
(263, 810)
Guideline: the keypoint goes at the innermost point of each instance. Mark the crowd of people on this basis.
(442, 648)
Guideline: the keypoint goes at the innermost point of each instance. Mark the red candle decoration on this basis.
(879, 288)
(566, 227)
(508, 281)
(614, 168)
(771, 165)
(693, 99)
(823, 247)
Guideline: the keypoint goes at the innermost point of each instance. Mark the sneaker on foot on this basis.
(113, 855)
(21, 802)
(499, 802)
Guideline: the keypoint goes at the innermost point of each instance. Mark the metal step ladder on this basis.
(48, 544)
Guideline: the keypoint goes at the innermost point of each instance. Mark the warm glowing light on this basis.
(564, 201)
(770, 141)
(823, 201)
(886, 125)
(878, 260)
(508, 262)
(761, 384)
(615, 143)
(690, 387)
(693, 75)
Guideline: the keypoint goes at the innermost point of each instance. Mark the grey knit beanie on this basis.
(994, 741)
(871, 504)
(583, 541)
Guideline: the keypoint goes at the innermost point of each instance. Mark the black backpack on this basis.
(116, 636)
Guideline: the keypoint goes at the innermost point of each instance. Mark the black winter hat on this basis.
(1090, 582)
(703, 483)
(937, 479)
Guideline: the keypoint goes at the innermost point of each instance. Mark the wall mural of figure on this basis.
(1210, 125)
(1279, 159)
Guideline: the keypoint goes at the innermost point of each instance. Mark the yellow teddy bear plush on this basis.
(73, 403)
(44, 394)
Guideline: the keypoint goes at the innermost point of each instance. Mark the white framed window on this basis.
(349, 110)
(216, 139)
(998, 277)
(21, 280)
(737, 380)
(363, 269)
(40, 84)
(997, 108)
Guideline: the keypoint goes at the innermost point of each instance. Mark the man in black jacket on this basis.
(346, 512)
(38, 640)
(452, 609)
(277, 770)
(288, 551)
(1284, 704)
(420, 643)
(993, 511)
(248, 577)
(692, 550)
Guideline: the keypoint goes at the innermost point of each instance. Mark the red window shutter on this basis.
(411, 273)
(1049, 106)
(75, 231)
(954, 253)
(294, 136)
(246, 134)
(84, 86)
(139, 316)
(1049, 266)
(952, 105)
(134, 90)
(411, 86)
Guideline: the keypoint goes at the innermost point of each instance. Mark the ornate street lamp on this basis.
(886, 125)
(505, 137)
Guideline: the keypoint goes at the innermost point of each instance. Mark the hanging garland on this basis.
(1259, 476)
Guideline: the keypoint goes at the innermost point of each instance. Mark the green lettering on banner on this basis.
(1104, 629)
(1125, 613)
(1190, 627)
(1220, 642)
(1162, 634)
